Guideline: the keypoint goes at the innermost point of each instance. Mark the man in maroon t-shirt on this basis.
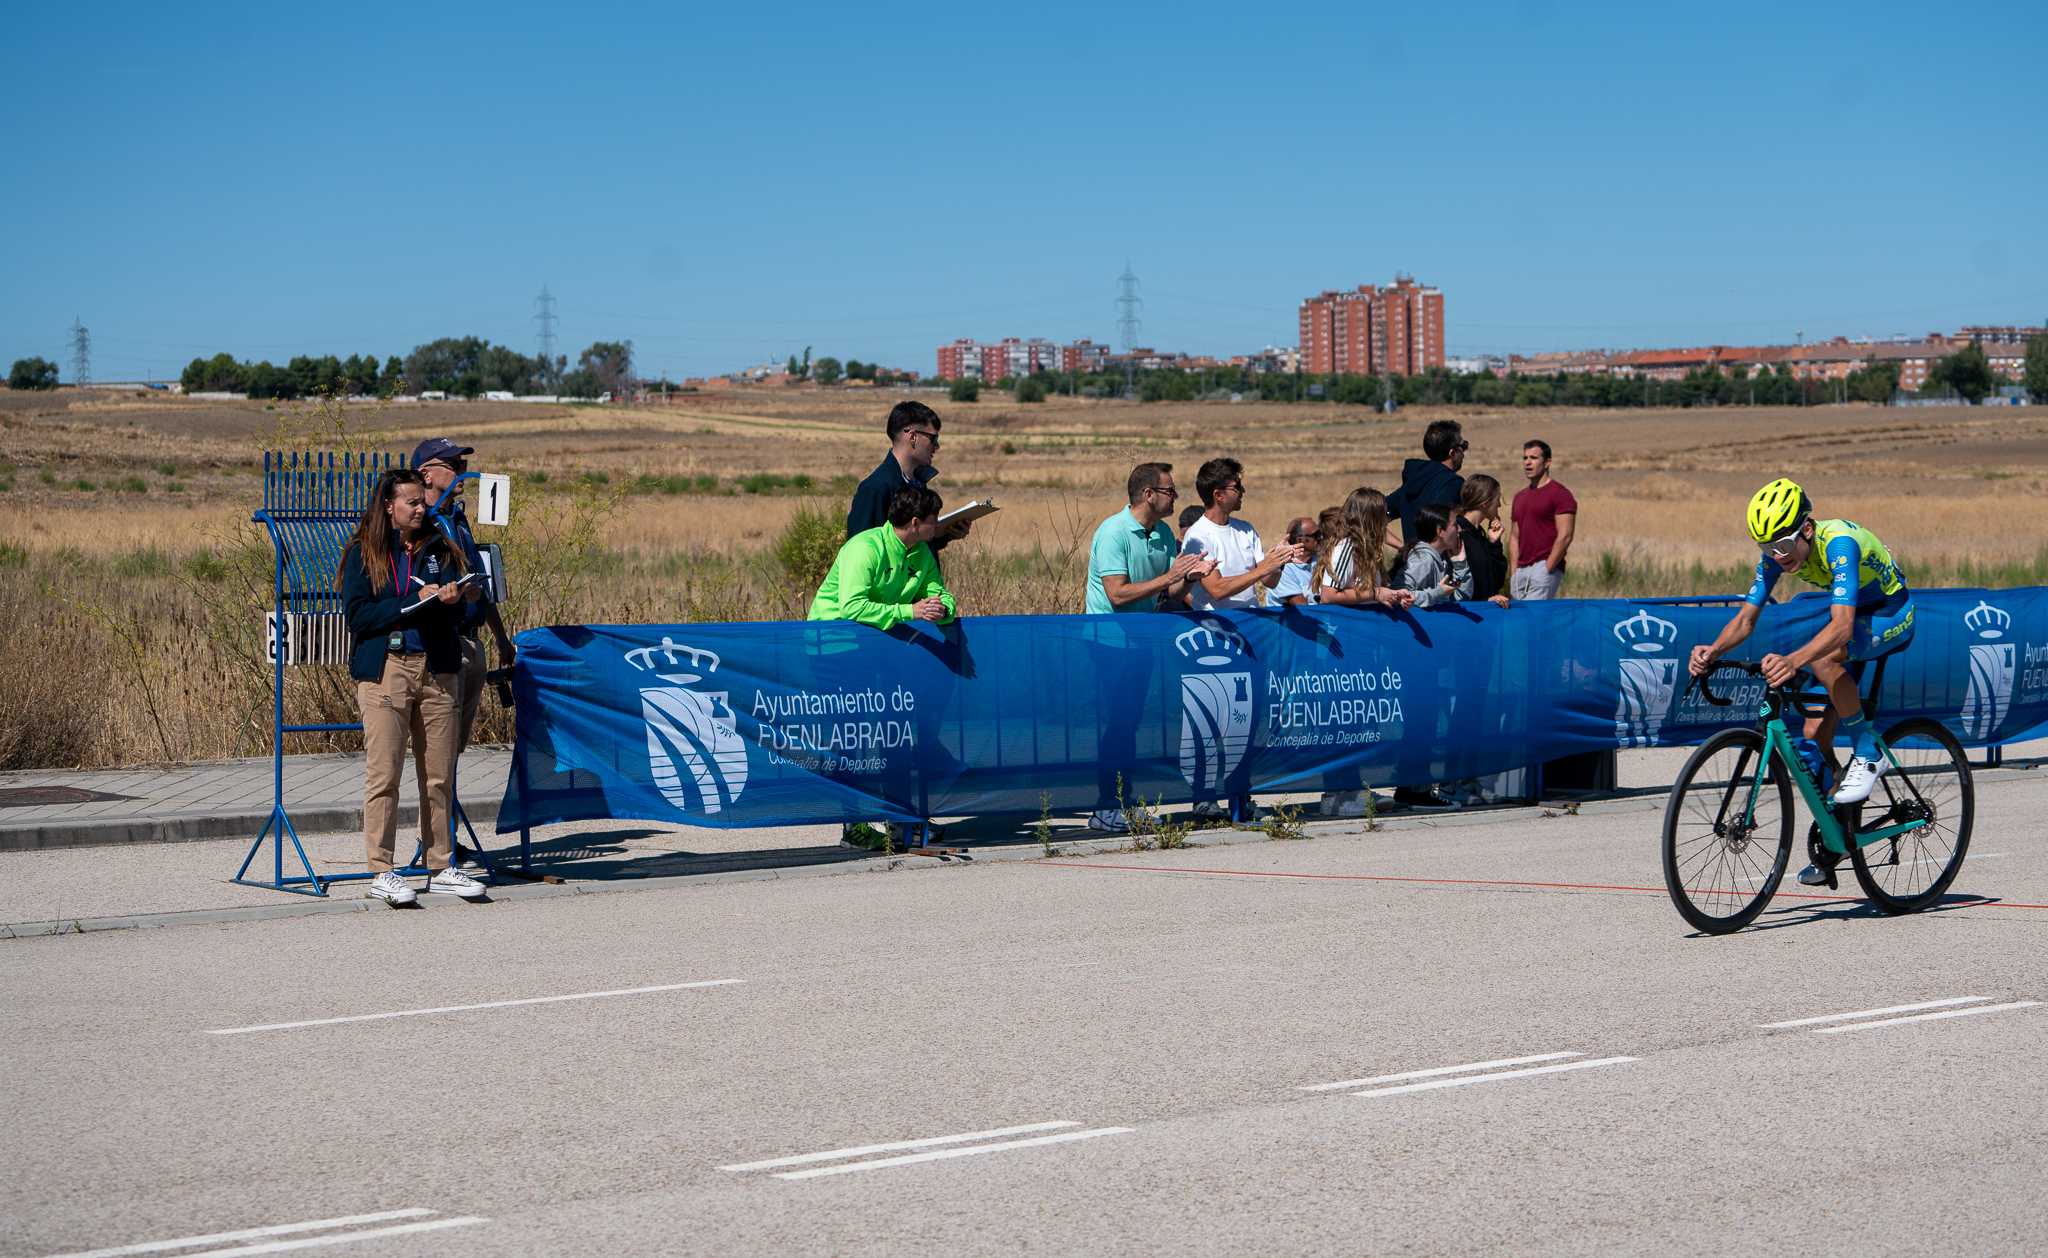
(1541, 525)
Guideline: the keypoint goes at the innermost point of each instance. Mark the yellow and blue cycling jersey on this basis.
(1848, 561)
(1856, 569)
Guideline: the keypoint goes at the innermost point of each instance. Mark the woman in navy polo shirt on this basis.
(398, 587)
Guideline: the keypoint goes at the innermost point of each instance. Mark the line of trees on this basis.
(461, 366)
(1967, 374)
(829, 371)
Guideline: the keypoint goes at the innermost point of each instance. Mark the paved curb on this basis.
(192, 828)
(718, 870)
(727, 870)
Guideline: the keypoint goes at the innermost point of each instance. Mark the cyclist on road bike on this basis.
(1870, 615)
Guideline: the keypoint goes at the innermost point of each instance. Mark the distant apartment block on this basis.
(1084, 356)
(1396, 330)
(1015, 356)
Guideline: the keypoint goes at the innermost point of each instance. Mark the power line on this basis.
(1128, 303)
(546, 319)
(81, 354)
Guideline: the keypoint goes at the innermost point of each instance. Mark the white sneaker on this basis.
(1858, 781)
(392, 889)
(453, 881)
(1109, 821)
(1347, 803)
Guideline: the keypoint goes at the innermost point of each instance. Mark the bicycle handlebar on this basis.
(1699, 683)
(1805, 703)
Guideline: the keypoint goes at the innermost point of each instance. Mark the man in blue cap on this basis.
(441, 461)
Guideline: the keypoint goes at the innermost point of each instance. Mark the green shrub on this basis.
(84, 486)
(12, 556)
(132, 485)
(536, 477)
(596, 478)
(775, 483)
(174, 487)
(206, 567)
(675, 484)
(146, 562)
(807, 546)
(167, 469)
(1031, 389)
(964, 390)
(47, 476)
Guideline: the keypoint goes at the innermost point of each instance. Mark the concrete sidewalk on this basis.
(219, 800)
(185, 830)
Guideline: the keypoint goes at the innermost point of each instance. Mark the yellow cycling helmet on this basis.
(1777, 509)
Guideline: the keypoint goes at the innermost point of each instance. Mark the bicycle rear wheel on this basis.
(1908, 872)
(1723, 855)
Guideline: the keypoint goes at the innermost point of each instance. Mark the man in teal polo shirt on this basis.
(886, 575)
(1131, 562)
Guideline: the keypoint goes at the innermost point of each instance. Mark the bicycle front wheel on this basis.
(1931, 783)
(1726, 835)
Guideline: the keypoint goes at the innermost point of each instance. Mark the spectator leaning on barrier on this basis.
(1433, 480)
(1434, 568)
(886, 576)
(1131, 561)
(1544, 519)
(1479, 522)
(1348, 571)
(439, 461)
(1242, 562)
(913, 442)
(1292, 589)
(405, 664)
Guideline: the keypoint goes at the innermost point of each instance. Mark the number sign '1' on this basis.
(494, 498)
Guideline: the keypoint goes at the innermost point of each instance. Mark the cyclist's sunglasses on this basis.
(1784, 546)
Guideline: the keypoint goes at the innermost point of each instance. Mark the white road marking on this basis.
(939, 1154)
(833, 1155)
(492, 1004)
(250, 1233)
(1498, 1074)
(1866, 1013)
(341, 1238)
(1927, 1017)
(1434, 1071)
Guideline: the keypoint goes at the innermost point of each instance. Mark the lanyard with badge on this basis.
(402, 582)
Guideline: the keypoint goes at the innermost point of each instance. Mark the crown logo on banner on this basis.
(1646, 634)
(1987, 621)
(642, 658)
(1214, 639)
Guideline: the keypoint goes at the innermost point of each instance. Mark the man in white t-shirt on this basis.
(1242, 563)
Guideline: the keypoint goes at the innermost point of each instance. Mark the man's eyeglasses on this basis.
(1168, 490)
(1237, 485)
(1783, 547)
(928, 436)
(456, 465)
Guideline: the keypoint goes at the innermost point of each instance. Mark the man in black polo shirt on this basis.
(913, 441)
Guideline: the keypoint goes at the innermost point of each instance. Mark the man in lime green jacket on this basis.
(886, 575)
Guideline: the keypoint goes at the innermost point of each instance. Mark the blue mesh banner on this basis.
(792, 722)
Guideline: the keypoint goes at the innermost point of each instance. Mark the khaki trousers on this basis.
(408, 702)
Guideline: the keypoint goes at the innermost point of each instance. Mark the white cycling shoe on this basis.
(1858, 780)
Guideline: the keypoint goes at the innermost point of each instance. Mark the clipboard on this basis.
(466, 580)
(971, 512)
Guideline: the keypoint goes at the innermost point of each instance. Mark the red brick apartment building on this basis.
(1397, 330)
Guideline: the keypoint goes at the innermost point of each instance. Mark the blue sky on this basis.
(722, 184)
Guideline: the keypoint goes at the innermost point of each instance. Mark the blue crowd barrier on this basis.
(806, 722)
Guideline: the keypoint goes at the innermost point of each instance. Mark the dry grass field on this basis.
(133, 582)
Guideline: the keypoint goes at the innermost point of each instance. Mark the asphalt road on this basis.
(1130, 1047)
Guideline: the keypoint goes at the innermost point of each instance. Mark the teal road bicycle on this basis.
(1729, 825)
